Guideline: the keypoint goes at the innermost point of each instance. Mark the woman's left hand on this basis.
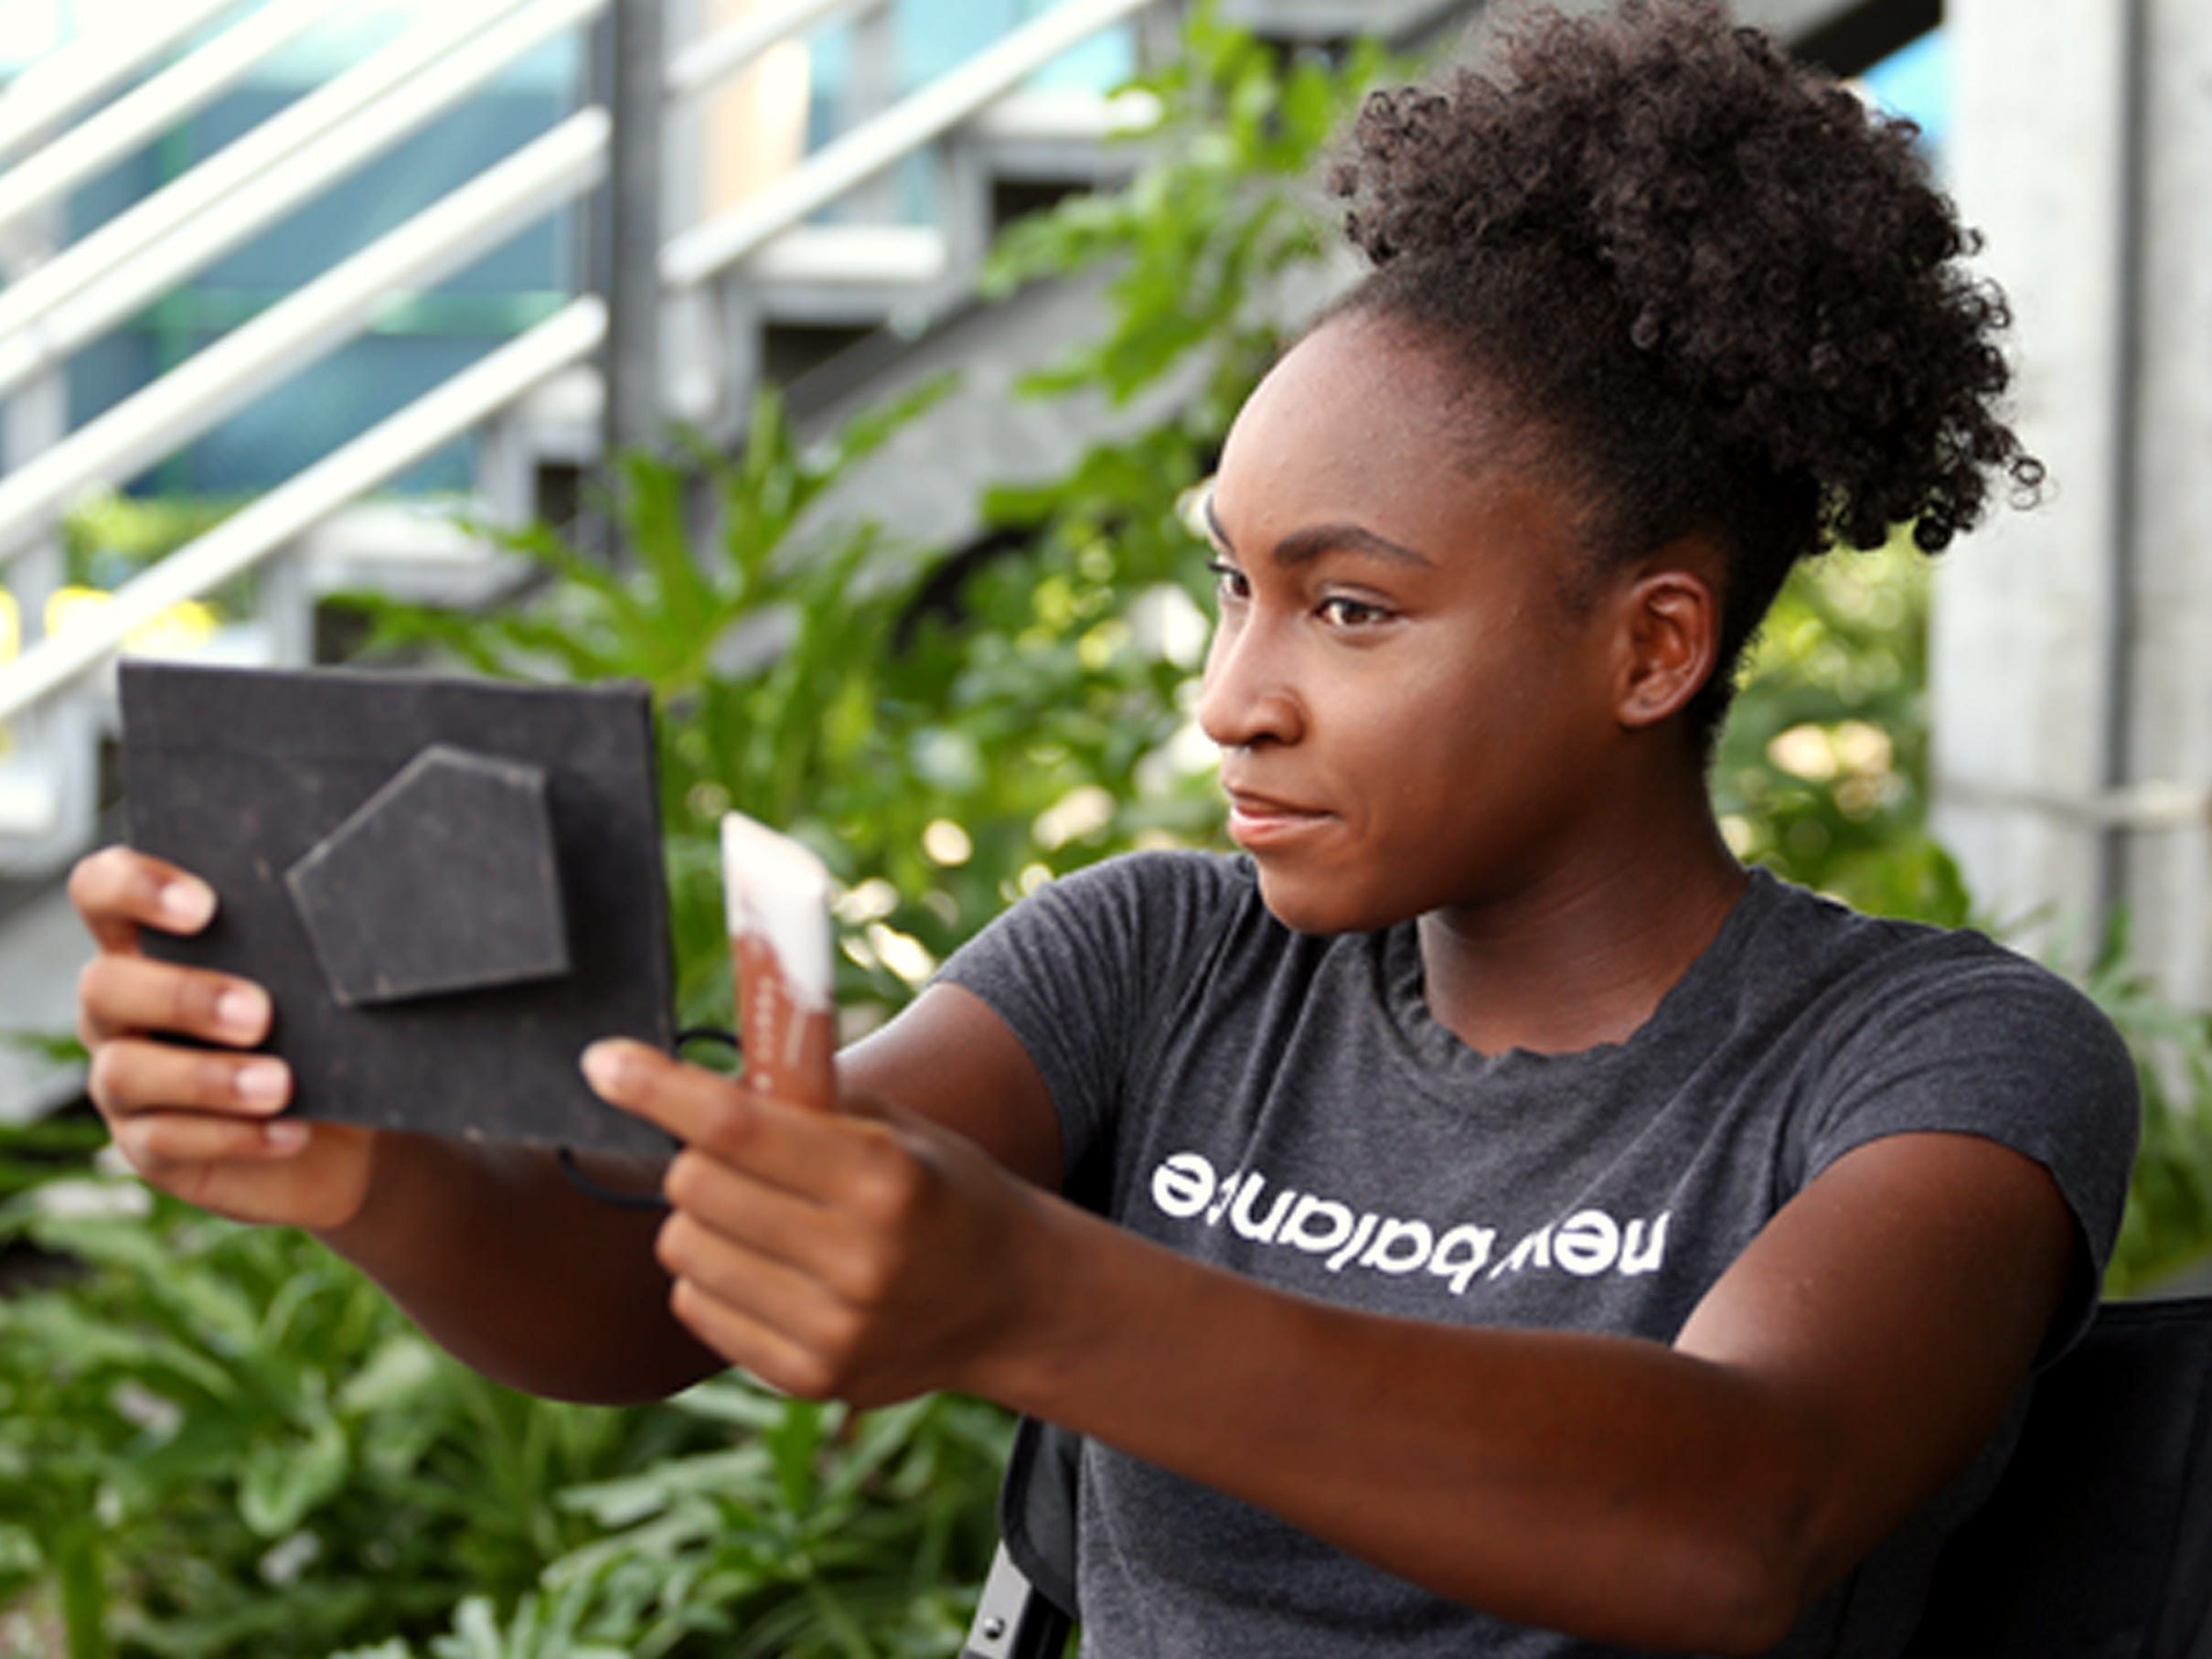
(864, 1255)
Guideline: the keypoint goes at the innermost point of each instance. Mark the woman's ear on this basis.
(1670, 640)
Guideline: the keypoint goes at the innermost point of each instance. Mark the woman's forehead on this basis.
(1359, 424)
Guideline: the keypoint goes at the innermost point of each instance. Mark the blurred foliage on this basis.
(34, 1153)
(1822, 770)
(2168, 1227)
(942, 760)
(1208, 232)
(217, 1440)
(1821, 774)
(109, 537)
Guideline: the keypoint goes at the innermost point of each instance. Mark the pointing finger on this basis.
(817, 1155)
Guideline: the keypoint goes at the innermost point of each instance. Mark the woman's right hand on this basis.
(201, 1123)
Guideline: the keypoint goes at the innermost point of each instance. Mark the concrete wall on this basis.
(2072, 655)
(2168, 875)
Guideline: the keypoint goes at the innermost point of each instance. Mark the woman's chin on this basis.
(1311, 907)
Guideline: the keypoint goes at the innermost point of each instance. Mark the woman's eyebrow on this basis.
(1312, 542)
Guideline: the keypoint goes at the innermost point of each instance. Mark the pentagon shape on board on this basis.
(443, 880)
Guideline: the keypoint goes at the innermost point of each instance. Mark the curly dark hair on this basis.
(1727, 285)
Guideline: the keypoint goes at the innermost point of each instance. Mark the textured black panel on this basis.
(240, 775)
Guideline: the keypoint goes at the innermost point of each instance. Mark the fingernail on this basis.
(187, 904)
(604, 1067)
(242, 1011)
(285, 1135)
(262, 1081)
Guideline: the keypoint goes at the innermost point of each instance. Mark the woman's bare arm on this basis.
(490, 1249)
(501, 1258)
(1698, 1496)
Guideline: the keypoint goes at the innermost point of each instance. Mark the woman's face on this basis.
(1410, 714)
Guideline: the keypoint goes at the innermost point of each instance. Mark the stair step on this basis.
(847, 275)
(1062, 136)
(414, 551)
(561, 417)
(853, 254)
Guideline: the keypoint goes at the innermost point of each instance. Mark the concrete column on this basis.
(630, 52)
(2072, 651)
(2167, 874)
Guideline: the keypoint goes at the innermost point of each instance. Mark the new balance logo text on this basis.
(1585, 1244)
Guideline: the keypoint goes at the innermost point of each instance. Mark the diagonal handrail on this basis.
(331, 309)
(130, 232)
(705, 64)
(69, 320)
(704, 252)
(266, 526)
(145, 112)
(62, 82)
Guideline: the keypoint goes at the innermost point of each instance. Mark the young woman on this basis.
(1506, 1224)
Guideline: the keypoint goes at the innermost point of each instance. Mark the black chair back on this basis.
(2097, 1543)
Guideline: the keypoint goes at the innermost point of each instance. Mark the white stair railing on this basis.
(58, 85)
(111, 283)
(182, 90)
(267, 525)
(239, 164)
(707, 250)
(313, 320)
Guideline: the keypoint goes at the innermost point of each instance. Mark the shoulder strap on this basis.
(1037, 1509)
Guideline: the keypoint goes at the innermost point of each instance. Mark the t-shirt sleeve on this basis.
(1976, 1040)
(1079, 971)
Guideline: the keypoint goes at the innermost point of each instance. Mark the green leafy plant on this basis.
(1207, 234)
(110, 537)
(1821, 769)
(812, 1534)
(216, 1439)
(2168, 1227)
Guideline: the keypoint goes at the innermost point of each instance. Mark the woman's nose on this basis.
(1246, 696)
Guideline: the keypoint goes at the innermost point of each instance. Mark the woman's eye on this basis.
(1343, 613)
(1228, 582)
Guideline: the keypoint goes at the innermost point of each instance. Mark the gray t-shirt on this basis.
(1284, 1106)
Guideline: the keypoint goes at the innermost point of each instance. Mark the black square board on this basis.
(449, 887)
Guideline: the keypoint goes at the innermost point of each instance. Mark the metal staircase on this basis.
(818, 252)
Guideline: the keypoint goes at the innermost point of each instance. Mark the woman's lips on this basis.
(1260, 820)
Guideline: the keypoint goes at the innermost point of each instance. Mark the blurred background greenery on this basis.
(218, 1442)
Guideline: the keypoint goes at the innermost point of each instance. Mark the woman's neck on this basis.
(1585, 956)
